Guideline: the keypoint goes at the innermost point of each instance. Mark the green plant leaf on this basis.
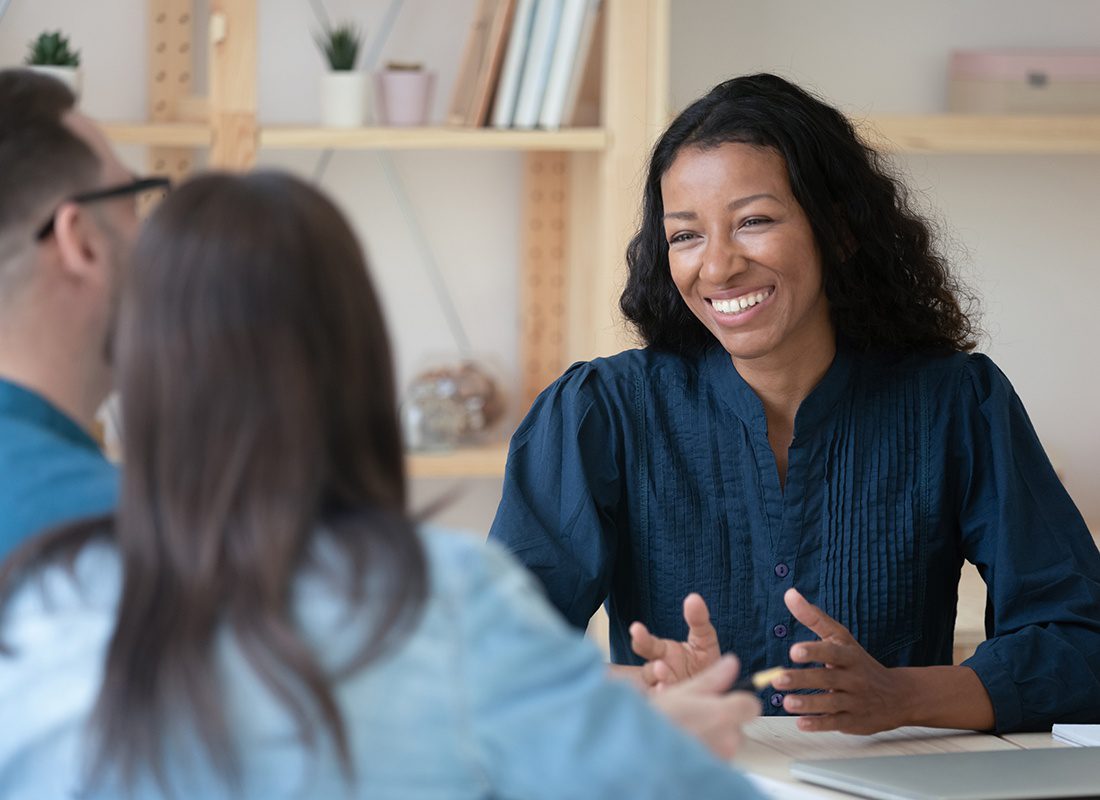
(52, 50)
(340, 46)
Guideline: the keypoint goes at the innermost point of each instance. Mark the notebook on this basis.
(990, 775)
(1077, 735)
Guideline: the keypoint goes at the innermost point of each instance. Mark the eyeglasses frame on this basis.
(106, 193)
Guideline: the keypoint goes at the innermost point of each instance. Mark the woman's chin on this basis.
(746, 345)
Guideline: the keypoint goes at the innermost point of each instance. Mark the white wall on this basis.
(1026, 229)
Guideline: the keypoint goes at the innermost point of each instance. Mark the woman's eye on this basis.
(680, 237)
(752, 222)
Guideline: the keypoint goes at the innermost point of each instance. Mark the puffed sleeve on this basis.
(562, 493)
(1041, 662)
(547, 720)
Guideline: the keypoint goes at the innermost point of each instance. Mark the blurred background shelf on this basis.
(432, 138)
(911, 133)
(473, 462)
(159, 134)
(983, 133)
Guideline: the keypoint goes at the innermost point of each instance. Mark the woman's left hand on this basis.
(859, 694)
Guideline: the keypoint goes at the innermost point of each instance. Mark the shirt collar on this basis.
(18, 402)
(742, 400)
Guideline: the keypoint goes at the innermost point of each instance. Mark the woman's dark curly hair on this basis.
(888, 286)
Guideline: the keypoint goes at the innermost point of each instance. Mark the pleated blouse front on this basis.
(642, 477)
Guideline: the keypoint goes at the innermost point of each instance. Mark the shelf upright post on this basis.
(544, 213)
(634, 110)
(170, 68)
(233, 75)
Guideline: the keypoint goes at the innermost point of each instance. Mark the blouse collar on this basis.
(743, 401)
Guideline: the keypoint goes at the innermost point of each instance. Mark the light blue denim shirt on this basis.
(489, 695)
(51, 470)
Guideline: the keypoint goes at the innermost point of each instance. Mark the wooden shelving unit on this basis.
(914, 133)
(574, 140)
(571, 178)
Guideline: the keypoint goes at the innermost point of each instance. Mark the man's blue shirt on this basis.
(51, 470)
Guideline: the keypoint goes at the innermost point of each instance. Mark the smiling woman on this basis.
(807, 443)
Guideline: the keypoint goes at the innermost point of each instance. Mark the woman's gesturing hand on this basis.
(669, 661)
(858, 694)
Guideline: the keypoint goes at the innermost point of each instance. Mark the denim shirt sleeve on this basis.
(1041, 662)
(547, 720)
(562, 490)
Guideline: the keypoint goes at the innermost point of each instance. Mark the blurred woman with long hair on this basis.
(261, 617)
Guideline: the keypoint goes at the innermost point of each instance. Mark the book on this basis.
(511, 71)
(481, 63)
(536, 67)
(578, 20)
(582, 101)
(1077, 735)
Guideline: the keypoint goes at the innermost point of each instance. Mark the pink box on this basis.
(1065, 81)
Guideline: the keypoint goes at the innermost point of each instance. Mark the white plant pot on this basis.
(344, 99)
(70, 76)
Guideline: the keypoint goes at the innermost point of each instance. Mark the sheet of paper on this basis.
(779, 790)
(1079, 735)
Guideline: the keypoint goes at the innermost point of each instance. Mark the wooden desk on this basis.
(772, 743)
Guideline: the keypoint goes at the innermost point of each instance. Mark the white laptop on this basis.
(988, 775)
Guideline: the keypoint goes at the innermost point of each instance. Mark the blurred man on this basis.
(67, 220)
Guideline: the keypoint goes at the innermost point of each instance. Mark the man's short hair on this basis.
(42, 160)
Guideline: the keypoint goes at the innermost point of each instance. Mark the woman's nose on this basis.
(722, 260)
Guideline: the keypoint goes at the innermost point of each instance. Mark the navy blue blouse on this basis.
(639, 478)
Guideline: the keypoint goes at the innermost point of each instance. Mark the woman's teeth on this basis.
(737, 305)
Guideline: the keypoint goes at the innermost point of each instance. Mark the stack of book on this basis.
(530, 64)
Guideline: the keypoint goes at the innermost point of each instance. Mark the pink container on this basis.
(1065, 81)
(405, 96)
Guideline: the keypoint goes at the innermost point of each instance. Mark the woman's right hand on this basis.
(704, 707)
(669, 661)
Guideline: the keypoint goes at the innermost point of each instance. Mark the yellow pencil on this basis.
(758, 680)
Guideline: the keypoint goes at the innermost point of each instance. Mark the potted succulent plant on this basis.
(51, 53)
(344, 90)
(405, 93)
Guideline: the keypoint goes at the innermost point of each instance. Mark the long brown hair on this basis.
(259, 406)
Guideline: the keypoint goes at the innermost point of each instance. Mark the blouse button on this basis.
(780, 631)
(782, 570)
(776, 700)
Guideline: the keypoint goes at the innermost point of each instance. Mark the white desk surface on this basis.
(772, 743)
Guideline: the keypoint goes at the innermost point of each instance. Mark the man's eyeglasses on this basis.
(134, 187)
